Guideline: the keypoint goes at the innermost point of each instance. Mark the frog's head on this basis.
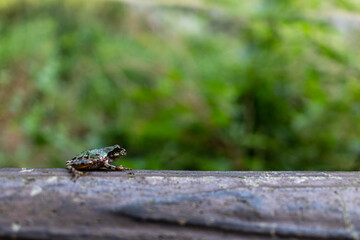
(116, 153)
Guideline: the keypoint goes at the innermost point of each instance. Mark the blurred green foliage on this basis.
(205, 85)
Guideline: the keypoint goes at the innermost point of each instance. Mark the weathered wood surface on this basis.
(46, 204)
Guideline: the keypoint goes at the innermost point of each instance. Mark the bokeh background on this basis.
(196, 85)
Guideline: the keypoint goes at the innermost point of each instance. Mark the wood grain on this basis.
(144, 204)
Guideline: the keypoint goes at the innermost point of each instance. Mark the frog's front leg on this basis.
(107, 165)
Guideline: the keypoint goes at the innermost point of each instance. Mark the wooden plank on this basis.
(46, 204)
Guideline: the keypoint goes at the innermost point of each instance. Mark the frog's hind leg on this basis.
(108, 166)
(79, 164)
(76, 174)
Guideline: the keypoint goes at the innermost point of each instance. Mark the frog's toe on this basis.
(77, 175)
(124, 168)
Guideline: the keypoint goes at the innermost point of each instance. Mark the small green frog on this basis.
(96, 159)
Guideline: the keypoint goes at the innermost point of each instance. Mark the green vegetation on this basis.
(258, 85)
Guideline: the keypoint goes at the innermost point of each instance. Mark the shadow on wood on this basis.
(46, 204)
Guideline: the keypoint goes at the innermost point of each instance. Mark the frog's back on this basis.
(96, 153)
(91, 154)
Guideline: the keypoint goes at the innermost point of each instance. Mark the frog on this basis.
(100, 158)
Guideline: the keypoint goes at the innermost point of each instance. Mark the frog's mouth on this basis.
(123, 152)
